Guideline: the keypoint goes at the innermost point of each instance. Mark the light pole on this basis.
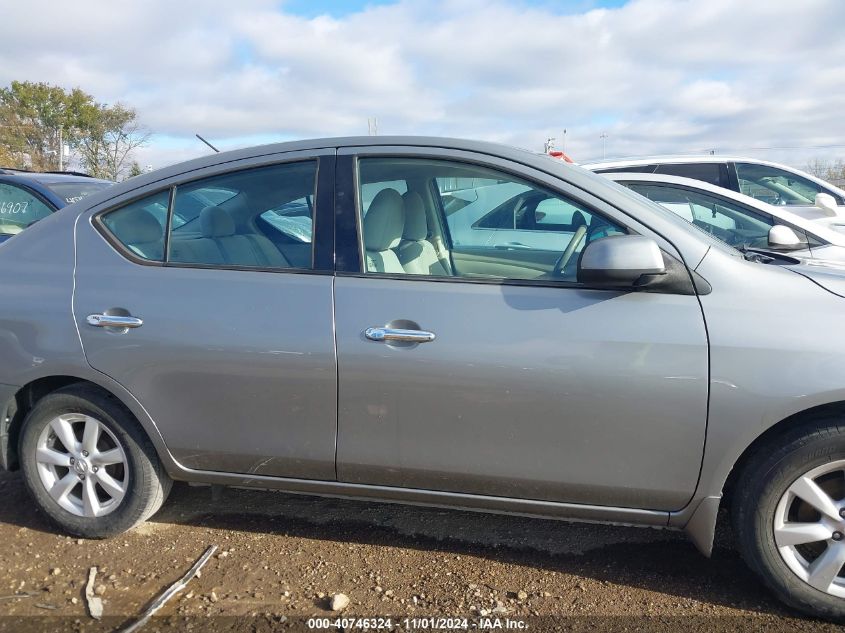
(603, 137)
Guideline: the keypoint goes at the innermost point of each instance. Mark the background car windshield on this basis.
(74, 191)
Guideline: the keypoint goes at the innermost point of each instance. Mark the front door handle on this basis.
(392, 334)
(107, 320)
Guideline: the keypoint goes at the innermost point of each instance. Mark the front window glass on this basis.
(19, 209)
(443, 218)
(776, 186)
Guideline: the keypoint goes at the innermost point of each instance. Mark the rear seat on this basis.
(220, 244)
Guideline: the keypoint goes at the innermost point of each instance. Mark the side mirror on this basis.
(827, 203)
(620, 260)
(783, 238)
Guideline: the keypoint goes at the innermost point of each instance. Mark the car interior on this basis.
(253, 218)
(419, 232)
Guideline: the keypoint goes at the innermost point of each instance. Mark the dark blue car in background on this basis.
(26, 197)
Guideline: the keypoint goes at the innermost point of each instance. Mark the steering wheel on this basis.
(576, 240)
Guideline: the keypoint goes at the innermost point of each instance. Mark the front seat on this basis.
(416, 253)
(383, 226)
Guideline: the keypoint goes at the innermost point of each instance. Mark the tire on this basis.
(771, 492)
(121, 481)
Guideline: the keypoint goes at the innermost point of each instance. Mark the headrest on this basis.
(135, 226)
(216, 222)
(416, 226)
(384, 221)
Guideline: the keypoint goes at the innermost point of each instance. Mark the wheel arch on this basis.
(14, 409)
(700, 519)
(805, 417)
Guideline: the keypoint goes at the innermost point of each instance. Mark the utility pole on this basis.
(372, 126)
(61, 151)
(603, 137)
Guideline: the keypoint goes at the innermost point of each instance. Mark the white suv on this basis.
(768, 182)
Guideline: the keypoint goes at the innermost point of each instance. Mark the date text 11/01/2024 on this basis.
(418, 624)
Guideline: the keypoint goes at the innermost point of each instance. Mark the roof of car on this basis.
(541, 161)
(676, 158)
(49, 176)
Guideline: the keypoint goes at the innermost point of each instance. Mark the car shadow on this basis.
(656, 560)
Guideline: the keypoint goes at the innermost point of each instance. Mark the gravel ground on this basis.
(282, 558)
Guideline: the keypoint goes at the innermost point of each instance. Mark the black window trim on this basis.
(322, 239)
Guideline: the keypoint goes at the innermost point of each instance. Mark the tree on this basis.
(134, 170)
(831, 171)
(35, 119)
(107, 136)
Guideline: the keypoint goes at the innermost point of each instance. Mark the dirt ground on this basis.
(281, 558)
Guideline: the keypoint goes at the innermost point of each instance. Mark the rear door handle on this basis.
(405, 336)
(105, 320)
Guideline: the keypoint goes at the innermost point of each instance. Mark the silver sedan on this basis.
(427, 321)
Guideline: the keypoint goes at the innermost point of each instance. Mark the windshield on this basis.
(679, 221)
(777, 186)
(75, 190)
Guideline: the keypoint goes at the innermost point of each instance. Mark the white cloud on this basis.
(656, 75)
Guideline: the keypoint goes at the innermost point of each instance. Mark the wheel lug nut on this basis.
(842, 512)
(82, 478)
(72, 460)
(85, 453)
(96, 468)
(836, 536)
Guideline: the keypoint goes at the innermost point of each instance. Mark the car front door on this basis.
(233, 356)
(519, 382)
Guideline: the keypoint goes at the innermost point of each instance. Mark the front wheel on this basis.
(88, 464)
(789, 516)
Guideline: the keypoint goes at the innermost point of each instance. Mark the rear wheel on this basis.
(88, 464)
(789, 516)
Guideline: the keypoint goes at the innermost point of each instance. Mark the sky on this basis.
(759, 77)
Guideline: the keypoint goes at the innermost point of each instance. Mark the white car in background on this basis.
(737, 219)
(772, 183)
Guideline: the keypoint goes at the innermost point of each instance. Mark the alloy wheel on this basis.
(809, 527)
(82, 465)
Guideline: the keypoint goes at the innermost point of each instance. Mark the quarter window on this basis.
(442, 218)
(19, 209)
(139, 225)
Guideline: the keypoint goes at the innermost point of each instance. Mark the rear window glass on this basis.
(71, 192)
(714, 173)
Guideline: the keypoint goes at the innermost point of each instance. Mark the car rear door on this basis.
(234, 356)
(518, 384)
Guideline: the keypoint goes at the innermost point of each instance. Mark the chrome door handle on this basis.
(105, 320)
(405, 336)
